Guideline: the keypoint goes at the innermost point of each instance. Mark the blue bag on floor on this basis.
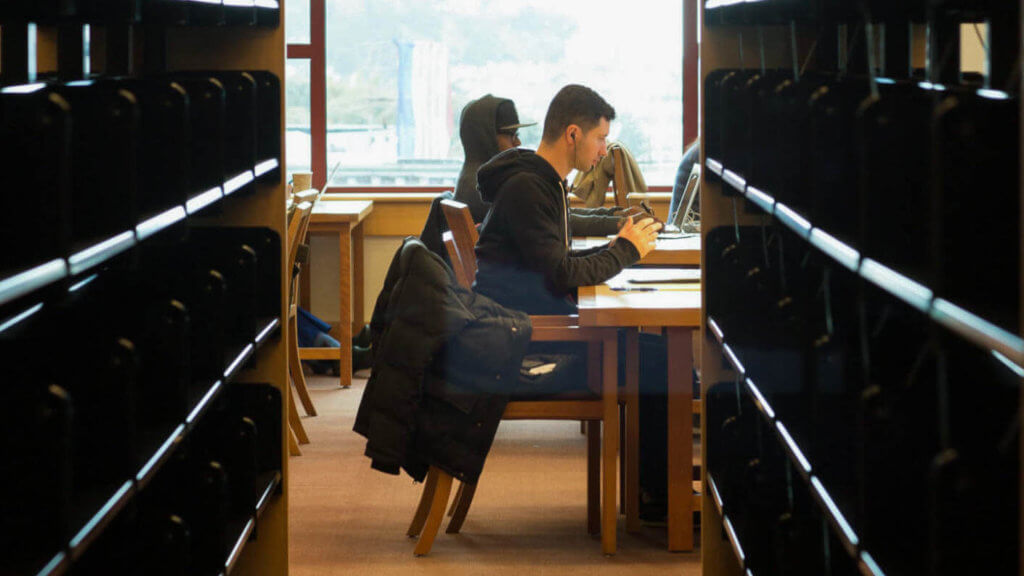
(313, 334)
(313, 331)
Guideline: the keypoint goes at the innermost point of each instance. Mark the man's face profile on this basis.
(592, 146)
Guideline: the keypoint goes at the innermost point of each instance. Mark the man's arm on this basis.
(593, 224)
(597, 211)
(539, 233)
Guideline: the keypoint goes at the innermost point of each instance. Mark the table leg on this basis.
(344, 329)
(610, 443)
(632, 398)
(358, 315)
(680, 438)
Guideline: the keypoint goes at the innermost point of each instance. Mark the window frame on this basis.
(316, 52)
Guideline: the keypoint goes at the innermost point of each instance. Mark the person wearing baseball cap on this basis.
(487, 126)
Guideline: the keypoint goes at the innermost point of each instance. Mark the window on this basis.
(398, 73)
(298, 145)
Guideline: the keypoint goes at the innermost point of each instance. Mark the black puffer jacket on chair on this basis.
(444, 357)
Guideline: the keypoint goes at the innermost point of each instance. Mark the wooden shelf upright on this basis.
(233, 226)
(969, 349)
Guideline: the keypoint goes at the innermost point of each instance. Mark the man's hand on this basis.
(642, 234)
(637, 213)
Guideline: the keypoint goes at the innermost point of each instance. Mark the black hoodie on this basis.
(523, 255)
(479, 134)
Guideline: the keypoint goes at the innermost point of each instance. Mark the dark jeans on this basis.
(653, 409)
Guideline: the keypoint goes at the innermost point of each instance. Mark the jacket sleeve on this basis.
(597, 211)
(593, 224)
(631, 172)
(539, 232)
(435, 226)
(485, 356)
(410, 325)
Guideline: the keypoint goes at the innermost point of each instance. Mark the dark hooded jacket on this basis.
(479, 133)
(443, 357)
(523, 255)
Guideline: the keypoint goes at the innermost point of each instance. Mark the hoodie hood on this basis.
(515, 161)
(478, 128)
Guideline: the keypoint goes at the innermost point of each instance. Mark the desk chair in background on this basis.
(298, 220)
(601, 364)
(301, 257)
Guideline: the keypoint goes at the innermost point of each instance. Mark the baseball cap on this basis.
(507, 120)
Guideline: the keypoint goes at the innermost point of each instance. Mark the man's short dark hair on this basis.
(575, 104)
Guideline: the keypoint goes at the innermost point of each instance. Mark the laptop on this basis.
(685, 221)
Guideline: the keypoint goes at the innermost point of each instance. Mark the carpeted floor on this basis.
(528, 516)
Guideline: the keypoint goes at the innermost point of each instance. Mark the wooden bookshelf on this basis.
(250, 39)
(755, 41)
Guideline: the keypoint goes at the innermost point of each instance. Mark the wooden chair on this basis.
(294, 361)
(296, 218)
(602, 361)
(463, 235)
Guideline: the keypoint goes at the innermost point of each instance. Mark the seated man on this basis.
(523, 255)
(524, 259)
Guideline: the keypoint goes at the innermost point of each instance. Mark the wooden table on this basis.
(342, 219)
(667, 252)
(677, 309)
(394, 213)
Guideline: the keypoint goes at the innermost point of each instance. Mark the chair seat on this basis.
(554, 410)
(587, 394)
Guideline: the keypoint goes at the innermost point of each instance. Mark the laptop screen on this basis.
(682, 214)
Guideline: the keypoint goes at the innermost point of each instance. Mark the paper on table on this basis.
(676, 235)
(661, 275)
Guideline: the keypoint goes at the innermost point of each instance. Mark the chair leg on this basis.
(295, 422)
(455, 501)
(293, 444)
(424, 506)
(437, 508)
(461, 507)
(295, 367)
(593, 477)
(595, 381)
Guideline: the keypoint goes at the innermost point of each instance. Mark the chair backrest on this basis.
(619, 178)
(453, 255)
(464, 234)
(300, 206)
(305, 195)
(296, 230)
(299, 219)
(311, 197)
